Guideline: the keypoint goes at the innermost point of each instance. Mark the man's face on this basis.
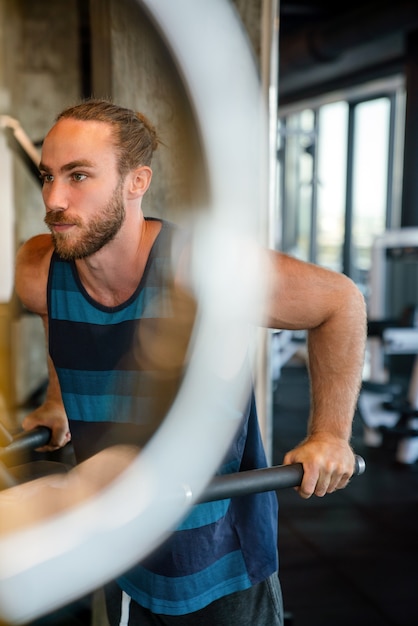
(82, 189)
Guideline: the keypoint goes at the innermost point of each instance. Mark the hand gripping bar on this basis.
(220, 488)
(260, 480)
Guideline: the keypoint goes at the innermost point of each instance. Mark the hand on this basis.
(52, 415)
(328, 464)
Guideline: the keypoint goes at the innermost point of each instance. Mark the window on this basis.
(332, 175)
(299, 132)
(337, 167)
(370, 181)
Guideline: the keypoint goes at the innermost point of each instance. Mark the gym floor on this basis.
(352, 556)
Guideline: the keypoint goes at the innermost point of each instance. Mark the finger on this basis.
(57, 441)
(66, 438)
(326, 483)
(309, 485)
(343, 482)
(338, 481)
(322, 487)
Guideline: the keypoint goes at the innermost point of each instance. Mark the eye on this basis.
(46, 178)
(78, 177)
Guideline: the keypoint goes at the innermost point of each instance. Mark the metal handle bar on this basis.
(260, 480)
(220, 488)
(17, 446)
(24, 442)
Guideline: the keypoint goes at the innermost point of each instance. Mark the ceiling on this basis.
(327, 44)
(296, 14)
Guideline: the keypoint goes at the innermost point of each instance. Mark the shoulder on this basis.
(32, 267)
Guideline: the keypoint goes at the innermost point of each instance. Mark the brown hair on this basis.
(135, 137)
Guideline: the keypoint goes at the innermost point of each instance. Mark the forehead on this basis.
(75, 140)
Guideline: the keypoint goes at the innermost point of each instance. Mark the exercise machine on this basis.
(388, 402)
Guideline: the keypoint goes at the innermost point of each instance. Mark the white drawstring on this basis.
(124, 616)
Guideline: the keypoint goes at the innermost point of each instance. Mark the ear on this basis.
(138, 181)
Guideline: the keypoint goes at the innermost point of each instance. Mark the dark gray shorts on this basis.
(260, 605)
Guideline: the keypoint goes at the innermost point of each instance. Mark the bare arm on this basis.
(32, 267)
(51, 413)
(332, 309)
(41, 499)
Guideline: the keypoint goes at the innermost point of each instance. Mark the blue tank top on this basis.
(221, 547)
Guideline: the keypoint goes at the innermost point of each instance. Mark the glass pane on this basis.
(331, 184)
(297, 217)
(370, 172)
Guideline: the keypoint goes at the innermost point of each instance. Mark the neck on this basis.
(112, 275)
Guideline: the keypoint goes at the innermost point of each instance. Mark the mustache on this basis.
(58, 217)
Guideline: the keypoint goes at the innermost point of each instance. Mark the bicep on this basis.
(301, 295)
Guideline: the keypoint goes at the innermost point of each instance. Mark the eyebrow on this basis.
(68, 167)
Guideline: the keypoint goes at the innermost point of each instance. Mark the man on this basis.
(90, 281)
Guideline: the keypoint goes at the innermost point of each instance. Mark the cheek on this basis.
(94, 196)
(87, 200)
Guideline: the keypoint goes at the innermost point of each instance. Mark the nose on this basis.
(55, 195)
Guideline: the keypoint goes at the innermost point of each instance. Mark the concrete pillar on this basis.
(131, 64)
(39, 74)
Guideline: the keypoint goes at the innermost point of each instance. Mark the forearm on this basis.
(336, 354)
(331, 308)
(51, 413)
(53, 392)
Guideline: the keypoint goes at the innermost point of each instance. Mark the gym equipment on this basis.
(18, 452)
(220, 487)
(26, 145)
(388, 402)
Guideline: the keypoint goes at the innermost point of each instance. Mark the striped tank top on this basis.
(109, 395)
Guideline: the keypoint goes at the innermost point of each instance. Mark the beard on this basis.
(94, 235)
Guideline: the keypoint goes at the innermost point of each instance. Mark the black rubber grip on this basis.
(25, 442)
(260, 480)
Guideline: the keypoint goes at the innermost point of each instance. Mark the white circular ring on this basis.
(81, 549)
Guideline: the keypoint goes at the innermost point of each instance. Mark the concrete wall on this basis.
(132, 64)
(39, 73)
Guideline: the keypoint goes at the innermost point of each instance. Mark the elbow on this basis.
(354, 305)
